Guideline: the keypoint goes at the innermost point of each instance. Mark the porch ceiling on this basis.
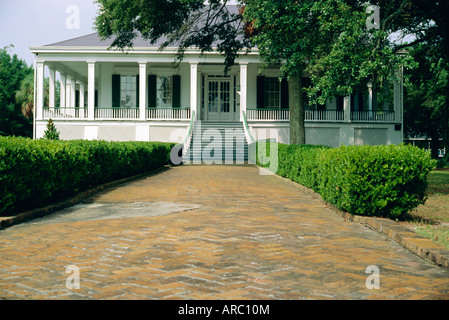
(78, 70)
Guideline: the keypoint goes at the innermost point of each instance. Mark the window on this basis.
(272, 92)
(128, 92)
(164, 91)
(359, 100)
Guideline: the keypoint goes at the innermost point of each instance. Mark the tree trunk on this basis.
(296, 105)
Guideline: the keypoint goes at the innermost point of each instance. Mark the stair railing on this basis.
(249, 137)
(188, 138)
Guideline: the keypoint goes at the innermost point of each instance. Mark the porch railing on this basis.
(267, 114)
(168, 113)
(327, 115)
(116, 113)
(324, 115)
(108, 113)
(373, 116)
(252, 114)
(64, 113)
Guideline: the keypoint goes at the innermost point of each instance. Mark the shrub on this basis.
(443, 162)
(35, 172)
(385, 181)
(51, 133)
(297, 162)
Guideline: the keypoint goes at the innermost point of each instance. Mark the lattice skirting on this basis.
(370, 136)
(323, 136)
(117, 133)
(70, 132)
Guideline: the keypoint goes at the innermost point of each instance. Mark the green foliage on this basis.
(443, 162)
(298, 163)
(51, 133)
(207, 25)
(25, 96)
(327, 39)
(12, 71)
(385, 181)
(426, 109)
(36, 172)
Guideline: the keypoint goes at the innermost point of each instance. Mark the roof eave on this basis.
(134, 50)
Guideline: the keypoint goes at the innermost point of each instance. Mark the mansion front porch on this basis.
(144, 96)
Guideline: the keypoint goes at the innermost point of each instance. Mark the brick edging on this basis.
(6, 222)
(418, 245)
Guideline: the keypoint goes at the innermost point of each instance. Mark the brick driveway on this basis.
(208, 232)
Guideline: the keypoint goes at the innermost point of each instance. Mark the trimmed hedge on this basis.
(36, 172)
(384, 181)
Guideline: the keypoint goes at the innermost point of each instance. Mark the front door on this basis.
(219, 100)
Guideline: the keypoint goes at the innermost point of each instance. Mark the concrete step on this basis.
(232, 135)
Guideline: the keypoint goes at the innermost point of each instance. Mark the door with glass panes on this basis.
(220, 104)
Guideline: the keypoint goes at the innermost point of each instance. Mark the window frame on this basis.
(267, 99)
(128, 88)
(168, 92)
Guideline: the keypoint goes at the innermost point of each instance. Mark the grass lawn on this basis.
(431, 220)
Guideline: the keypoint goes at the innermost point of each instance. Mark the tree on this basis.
(325, 39)
(25, 95)
(51, 133)
(426, 100)
(187, 23)
(423, 28)
(12, 71)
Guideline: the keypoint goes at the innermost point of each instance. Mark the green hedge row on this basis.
(35, 172)
(384, 181)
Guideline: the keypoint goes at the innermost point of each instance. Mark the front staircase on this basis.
(216, 142)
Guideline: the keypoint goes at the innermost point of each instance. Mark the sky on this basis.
(26, 23)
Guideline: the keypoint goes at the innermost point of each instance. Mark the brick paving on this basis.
(208, 232)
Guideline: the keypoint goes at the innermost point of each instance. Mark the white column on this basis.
(347, 108)
(62, 93)
(81, 103)
(243, 88)
(194, 89)
(51, 87)
(90, 90)
(67, 93)
(370, 96)
(39, 90)
(142, 89)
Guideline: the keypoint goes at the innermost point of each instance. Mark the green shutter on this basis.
(260, 92)
(340, 102)
(77, 99)
(176, 91)
(152, 91)
(284, 94)
(137, 91)
(116, 91)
